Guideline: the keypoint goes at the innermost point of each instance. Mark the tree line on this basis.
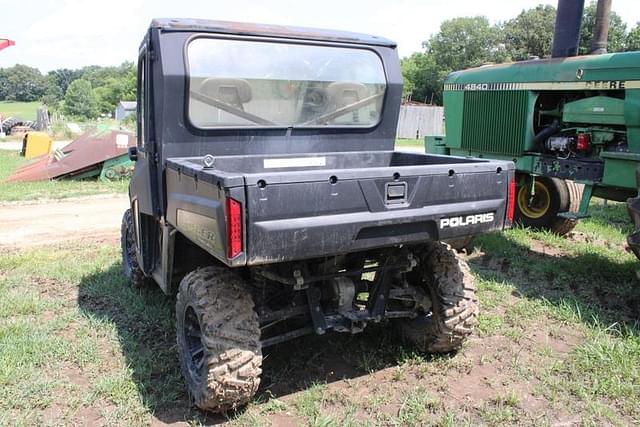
(86, 93)
(473, 41)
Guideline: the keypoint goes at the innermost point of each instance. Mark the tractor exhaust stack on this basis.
(566, 37)
(601, 28)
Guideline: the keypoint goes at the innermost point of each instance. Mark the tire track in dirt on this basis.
(51, 222)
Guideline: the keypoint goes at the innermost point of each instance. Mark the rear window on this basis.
(238, 83)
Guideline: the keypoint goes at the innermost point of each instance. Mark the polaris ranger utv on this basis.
(267, 194)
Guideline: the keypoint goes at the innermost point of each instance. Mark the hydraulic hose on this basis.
(545, 133)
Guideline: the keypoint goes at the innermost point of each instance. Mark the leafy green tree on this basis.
(530, 33)
(112, 85)
(80, 100)
(130, 84)
(421, 77)
(53, 95)
(465, 42)
(633, 39)
(99, 76)
(130, 122)
(21, 83)
(63, 77)
(617, 31)
(461, 43)
(110, 94)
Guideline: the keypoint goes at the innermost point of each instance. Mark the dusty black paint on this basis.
(293, 213)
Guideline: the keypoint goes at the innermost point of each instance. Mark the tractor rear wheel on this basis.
(444, 325)
(218, 337)
(550, 197)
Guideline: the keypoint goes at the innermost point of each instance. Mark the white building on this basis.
(124, 108)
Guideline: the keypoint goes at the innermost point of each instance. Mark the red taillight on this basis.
(234, 228)
(511, 203)
(584, 142)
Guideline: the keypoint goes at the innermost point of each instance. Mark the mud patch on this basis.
(580, 237)
(55, 289)
(543, 249)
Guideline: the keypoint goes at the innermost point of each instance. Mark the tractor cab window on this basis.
(238, 83)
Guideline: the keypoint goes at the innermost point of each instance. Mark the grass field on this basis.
(23, 110)
(409, 143)
(20, 191)
(558, 342)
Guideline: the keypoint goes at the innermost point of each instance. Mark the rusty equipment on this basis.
(100, 152)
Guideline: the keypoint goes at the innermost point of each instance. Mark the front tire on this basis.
(454, 306)
(218, 336)
(550, 197)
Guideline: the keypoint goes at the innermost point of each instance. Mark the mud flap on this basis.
(633, 207)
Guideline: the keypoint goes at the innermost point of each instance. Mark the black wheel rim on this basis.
(195, 348)
(424, 317)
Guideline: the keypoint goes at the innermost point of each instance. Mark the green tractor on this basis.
(570, 123)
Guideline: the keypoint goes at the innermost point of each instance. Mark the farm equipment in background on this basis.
(17, 126)
(98, 153)
(4, 43)
(35, 144)
(570, 123)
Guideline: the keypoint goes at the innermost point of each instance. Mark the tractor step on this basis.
(573, 215)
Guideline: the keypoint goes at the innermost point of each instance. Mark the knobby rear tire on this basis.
(130, 266)
(229, 334)
(451, 287)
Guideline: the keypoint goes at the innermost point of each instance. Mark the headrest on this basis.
(228, 90)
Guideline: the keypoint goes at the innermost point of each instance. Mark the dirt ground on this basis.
(48, 222)
(524, 365)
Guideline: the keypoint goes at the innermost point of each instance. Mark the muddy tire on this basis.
(563, 225)
(218, 337)
(130, 266)
(552, 196)
(454, 305)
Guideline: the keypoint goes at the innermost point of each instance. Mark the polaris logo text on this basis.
(461, 221)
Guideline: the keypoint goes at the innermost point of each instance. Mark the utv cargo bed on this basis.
(303, 206)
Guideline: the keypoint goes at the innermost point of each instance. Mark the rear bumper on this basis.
(289, 239)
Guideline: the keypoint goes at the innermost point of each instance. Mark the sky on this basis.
(52, 34)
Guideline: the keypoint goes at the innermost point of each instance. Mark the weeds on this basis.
(558, 326)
